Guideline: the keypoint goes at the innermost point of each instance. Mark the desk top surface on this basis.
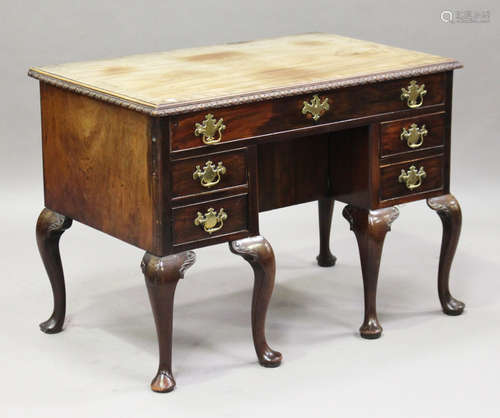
(185, 80)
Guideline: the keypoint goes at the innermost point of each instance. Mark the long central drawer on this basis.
(280, 115)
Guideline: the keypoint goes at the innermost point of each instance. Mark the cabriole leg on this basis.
(49, 228)
(259, 253)
(370, 228)
(448, 209)
(162, 275)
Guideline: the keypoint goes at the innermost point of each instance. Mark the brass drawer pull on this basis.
(316, 108)
(211, 221)
(209, 128)
(414, 94)
(210, 175)
(412, 178)
(414, 136)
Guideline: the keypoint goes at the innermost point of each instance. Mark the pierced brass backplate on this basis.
(316, 108)
(209, 128)
(414, 94)
(414, 136)
(210, 175)
(412, 178)
(211, 221)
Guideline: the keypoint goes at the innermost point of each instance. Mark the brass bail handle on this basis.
(209, 128)
(211, 221)
(412, 178)
(210, 175)
(413, 94)
(316, 108)
(414, 136)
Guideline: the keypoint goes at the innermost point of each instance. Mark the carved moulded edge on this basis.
(186, 107)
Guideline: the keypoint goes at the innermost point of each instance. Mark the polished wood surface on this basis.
(97, 165)
(449, 211)
(236, 208)
(259, 253)
(349, 174)
(325, 211)
(297, 167)
(236, 174)
(391, 188)
(193, 75)
(370, 228)
(49, 228)
(390, 134)
(263, 118)
(162, 275)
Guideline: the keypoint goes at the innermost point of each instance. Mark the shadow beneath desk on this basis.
(311, 306)
(212, 335)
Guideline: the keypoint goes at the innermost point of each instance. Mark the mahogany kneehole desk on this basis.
(179, 150)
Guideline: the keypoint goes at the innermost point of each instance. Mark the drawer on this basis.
(209, 172)
(213, 218)
(419, 176)
(410, 134)
(290, 113)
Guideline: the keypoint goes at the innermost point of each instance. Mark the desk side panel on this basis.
(97, 164)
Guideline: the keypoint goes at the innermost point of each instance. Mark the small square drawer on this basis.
(412, 177)
(210, 172)
(411, 134)
(210, 219)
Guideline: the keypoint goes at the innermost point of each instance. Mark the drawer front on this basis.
(257, 119)
(208, 173)
(411, 134)
(419, 176)
(226, 217)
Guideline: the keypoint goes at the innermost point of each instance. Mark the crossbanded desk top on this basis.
(179, 81)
